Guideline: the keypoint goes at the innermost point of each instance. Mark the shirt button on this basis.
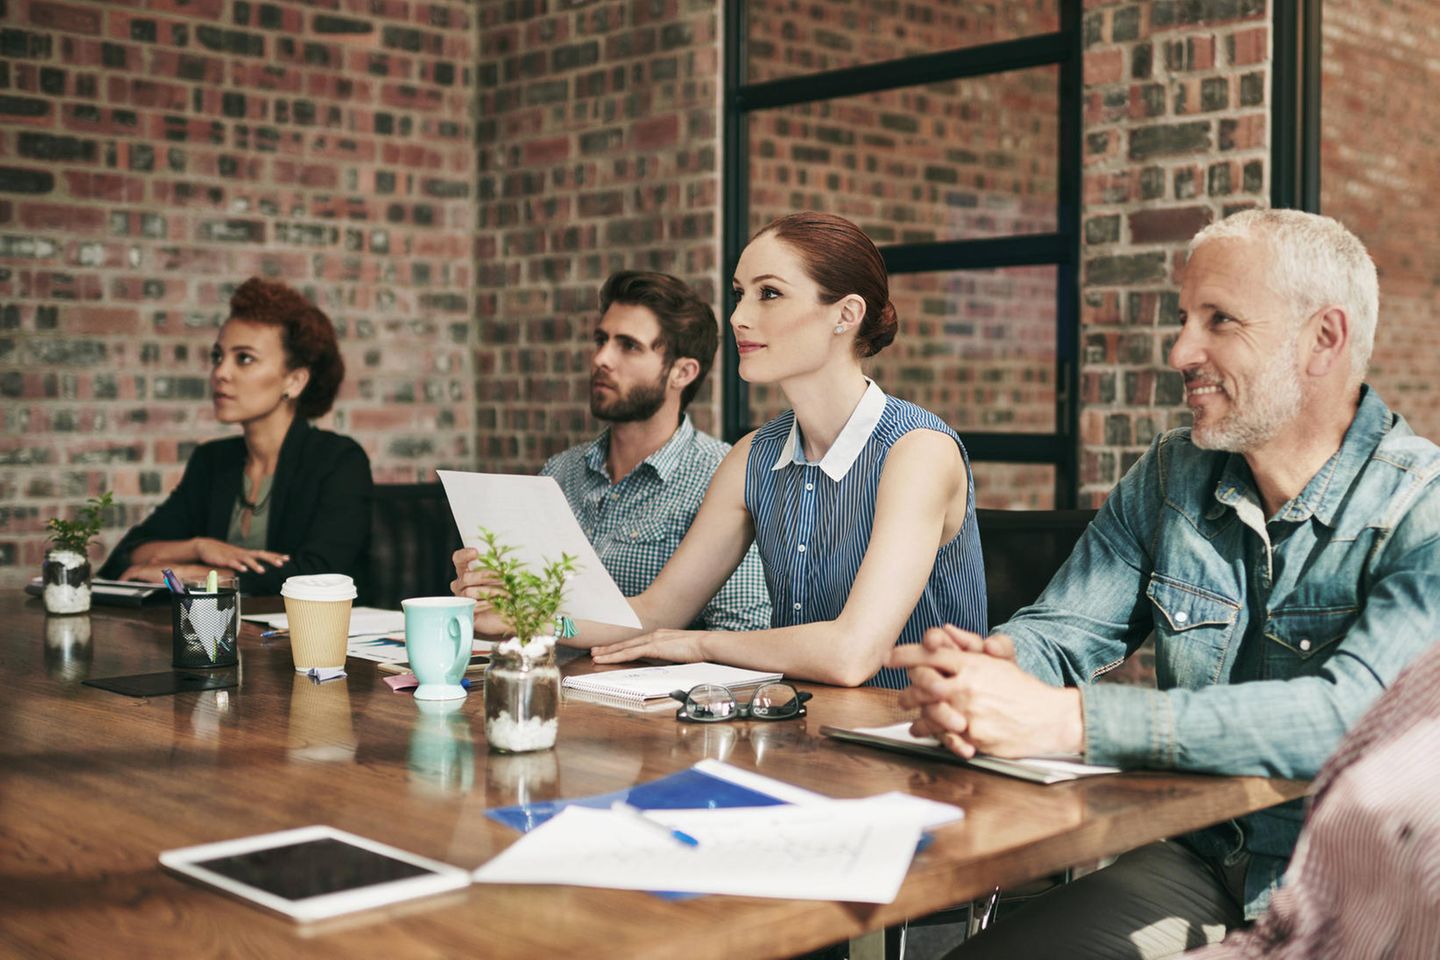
(1182, 617)
(1304, 644)
(809, 486)
(801, 548)
(797, 606)
(634, 534)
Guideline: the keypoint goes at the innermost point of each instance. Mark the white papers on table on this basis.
(639, 684)
(854, 850)
(532, 515)
(364, 621)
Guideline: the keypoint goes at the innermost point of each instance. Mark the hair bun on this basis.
(877, 335)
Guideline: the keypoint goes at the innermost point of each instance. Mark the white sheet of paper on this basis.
(532, 515)
(852, 850)
(364, 621)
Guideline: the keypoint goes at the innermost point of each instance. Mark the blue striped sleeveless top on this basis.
(812, 532)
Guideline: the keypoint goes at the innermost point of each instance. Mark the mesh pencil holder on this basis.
(205, 625)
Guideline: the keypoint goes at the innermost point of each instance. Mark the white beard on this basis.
(1274, 400)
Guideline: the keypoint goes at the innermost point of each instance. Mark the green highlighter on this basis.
(212, 582)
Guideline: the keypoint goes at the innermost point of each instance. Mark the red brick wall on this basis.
(1379, 175)
(149, 156)
(598, 150)
(1176, 132)
(154, 155)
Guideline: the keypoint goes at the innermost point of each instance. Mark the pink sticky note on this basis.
(403, 683)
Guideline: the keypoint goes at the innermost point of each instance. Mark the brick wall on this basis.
(598, 150)
(1380, 174)
(1176, 134)
(953, 160)
(151, 157)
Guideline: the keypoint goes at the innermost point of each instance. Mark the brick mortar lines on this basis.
(620, 168)
(1135, 75)
(352, 280)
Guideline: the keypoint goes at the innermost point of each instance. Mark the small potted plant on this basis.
(66, 570)
(522, 682)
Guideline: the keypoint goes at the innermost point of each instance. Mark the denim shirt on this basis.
(1271, 637)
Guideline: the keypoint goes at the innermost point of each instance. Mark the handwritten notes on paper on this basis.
(856, 850)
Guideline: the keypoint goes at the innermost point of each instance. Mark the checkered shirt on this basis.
(637, 523)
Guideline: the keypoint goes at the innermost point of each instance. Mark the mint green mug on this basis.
(439, 632)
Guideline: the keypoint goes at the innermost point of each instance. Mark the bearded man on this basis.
(1285, 553)
(636, 487)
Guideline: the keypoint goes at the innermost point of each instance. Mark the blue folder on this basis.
(686, 790)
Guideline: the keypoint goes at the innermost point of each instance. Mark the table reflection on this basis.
(68, 648)
(442, 751)
(763, 741)
(321, 728)
(521, 778)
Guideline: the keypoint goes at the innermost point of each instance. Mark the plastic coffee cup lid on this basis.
(319, 586)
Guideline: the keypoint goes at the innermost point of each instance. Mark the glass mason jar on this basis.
(522, 696)
(65, 578)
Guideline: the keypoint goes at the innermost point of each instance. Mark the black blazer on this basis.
(319, 507)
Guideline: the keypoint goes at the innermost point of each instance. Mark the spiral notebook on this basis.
(641, 686)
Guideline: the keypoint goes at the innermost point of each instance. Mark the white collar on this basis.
(847, 446)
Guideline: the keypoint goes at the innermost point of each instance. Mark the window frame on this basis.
(1063, 49)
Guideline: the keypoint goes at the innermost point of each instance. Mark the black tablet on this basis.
(313, 873)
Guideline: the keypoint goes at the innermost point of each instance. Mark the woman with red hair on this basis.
(282, 499)
(860, 504)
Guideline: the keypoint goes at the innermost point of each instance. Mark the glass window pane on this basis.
(1014, 486)
(789, 37)
(957, 160)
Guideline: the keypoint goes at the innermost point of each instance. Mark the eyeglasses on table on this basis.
(713, 703)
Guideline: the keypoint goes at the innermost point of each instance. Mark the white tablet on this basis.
(312, 873)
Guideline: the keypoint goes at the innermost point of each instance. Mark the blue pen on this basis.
(173, 582)
(638, 815)
(269, 634)
(177, 587)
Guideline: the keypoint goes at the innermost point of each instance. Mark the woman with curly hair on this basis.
(284, 498)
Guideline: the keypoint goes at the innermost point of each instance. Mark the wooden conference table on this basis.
(93, 785)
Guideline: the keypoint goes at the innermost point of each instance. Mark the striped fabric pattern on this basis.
(637, 523)
(812, 533)
(1365, 878)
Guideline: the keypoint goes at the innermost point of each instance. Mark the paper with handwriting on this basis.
(852, 850)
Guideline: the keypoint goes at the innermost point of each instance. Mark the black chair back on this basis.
(1023, 549)
(412, 536)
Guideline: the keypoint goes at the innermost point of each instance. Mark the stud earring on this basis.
(285, 395)
(839, 329)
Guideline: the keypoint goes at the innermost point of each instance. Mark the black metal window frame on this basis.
(1061, 249)
(1295, 114)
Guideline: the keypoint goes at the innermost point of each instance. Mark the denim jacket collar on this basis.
(1326, 491)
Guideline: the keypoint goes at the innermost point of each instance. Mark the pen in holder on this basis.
(205, 620)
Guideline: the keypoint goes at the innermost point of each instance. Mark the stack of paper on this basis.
(812, 849)
(643, 686)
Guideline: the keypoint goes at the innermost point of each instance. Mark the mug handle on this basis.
(462, 648)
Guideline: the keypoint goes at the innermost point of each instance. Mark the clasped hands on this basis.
(974, 698)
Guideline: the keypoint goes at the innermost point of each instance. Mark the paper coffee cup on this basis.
(318, 608)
